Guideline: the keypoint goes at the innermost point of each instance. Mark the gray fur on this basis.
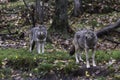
(38, 37)
(84, 40)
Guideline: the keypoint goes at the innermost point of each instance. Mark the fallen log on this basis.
(108, 29)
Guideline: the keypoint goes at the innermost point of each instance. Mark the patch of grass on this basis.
(116, 55)
(21, 59)
(102, 56)
(105, 56)
(101, 78)
(5, 73)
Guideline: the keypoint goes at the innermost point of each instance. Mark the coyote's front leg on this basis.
(87, 58)
(79, 55)
(76, 53)
(93, 56)
(42, 45)
(76, 57)
(39, 47)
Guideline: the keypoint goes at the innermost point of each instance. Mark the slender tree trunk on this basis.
(32, 15)
(77, 8)
(60, 20)
(39, 11)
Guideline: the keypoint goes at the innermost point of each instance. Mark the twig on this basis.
(26, 4)
(111, 40)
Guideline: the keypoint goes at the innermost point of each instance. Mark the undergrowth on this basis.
(22, 59)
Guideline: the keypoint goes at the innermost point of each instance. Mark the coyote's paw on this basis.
(77, 62)
(81, 59)
(88, 65)
(94, 65)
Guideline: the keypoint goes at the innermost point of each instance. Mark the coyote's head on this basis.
(42, 33)
(89, 35)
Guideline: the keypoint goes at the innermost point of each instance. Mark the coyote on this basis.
(38, 37)
(84, 40)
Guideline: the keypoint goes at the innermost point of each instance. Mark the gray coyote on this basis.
(38, 37)
(84, 40)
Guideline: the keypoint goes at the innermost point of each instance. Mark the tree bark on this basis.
(77, 8)
(60, 20)
(39, 11)
(108, 29)
(32, 15)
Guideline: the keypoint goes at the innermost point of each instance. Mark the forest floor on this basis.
(16, 63)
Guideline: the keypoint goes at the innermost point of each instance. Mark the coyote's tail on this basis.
(72, 50)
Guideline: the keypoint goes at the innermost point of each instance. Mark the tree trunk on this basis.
(39, 11)
(32, 15)
(60, 20)
(108, 29)
(77, 8)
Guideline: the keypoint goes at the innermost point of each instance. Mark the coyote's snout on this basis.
(83, 41)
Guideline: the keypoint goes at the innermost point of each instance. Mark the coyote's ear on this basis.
(72, 50)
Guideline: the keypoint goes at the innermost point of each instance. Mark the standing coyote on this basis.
(38, 37)
(84, 40)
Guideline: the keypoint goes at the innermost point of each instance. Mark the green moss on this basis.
(116, 55)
